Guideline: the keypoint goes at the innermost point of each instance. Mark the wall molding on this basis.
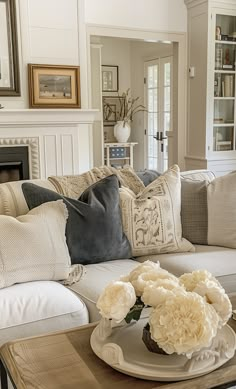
(48, 117)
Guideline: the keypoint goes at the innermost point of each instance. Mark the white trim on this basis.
(49, 117)
(179, 39)
(33, 147)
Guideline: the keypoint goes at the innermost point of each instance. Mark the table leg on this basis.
(3, 373)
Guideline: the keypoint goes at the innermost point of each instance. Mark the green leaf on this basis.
(135, 311)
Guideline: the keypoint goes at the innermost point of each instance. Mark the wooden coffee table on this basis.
(65, 360)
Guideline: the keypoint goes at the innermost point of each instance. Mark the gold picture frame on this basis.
(54, 86)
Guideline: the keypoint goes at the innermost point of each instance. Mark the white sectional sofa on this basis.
(38, 307)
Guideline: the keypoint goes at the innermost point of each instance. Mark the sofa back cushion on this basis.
(151, 219)
(221, 198)
(94, 230)
(33, 246)
(74, 185)
(12, 200)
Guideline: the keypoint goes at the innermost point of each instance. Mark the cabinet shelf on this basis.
(223, 124)
(224, 98)
(225, 71)
(111, 158)
(225, 42)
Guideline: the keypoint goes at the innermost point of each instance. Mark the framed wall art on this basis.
(9, 61)
(54, 86)
(110, 78)
(111, 109)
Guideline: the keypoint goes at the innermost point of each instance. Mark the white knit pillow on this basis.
(33, 246)
(151, 219)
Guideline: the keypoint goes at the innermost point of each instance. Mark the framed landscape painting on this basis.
(54, 86)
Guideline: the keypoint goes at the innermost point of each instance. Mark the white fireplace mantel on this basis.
(59, 141)
(38, 117)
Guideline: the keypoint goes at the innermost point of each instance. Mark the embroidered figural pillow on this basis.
(151, 219)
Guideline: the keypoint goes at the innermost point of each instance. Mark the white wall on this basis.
(161, 15)
(116, 51)
(48, 34)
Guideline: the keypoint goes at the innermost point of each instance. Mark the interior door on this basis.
(158, 94)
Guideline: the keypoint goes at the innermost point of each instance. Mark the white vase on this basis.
(122, 131)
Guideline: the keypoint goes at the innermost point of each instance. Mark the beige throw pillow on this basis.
(33, 246)
(221, 202)
(151, 219)
(74, 185)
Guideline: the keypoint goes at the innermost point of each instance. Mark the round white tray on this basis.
(123, 349)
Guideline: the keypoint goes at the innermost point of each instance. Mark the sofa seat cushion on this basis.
(219, 261)
(38, 307)
(96, 278)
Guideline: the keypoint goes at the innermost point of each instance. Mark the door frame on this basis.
(179, 40)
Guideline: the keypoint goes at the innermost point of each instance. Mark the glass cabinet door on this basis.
(224, 84)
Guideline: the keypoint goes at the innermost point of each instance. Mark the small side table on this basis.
(119, 154)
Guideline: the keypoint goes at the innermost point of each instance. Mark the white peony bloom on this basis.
(156, 293)
(184, 323)
(147, 273)
(116, 300)
(216, 296)
(191, 280)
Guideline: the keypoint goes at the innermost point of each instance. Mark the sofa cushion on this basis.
(74, 185)
(151, 219)
(94, 229)
(221, 199)
(198, 175)
(219, 261)
(194, 217)
(33, 308)
(96, 278)
(33, 246)
(148, 175)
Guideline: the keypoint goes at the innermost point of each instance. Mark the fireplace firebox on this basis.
(14, 163)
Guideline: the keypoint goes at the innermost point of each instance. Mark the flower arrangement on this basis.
(186, 312)
(127, 108)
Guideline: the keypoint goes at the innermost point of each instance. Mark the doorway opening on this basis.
(97, 40)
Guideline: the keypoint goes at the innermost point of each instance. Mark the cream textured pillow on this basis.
(33, 246)
(151, 219)
(221, 202)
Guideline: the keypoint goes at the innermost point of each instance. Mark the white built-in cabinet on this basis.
(211, 114)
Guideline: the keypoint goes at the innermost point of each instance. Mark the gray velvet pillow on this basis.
(147, 176)
(94, 231)
(194, 215)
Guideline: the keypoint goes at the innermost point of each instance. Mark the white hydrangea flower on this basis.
(145, 274)
(154, 294)
(183, 324)
(116, 300)
(191, 280)
(216, 296)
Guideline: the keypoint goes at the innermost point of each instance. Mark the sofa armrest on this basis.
(12, 201)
